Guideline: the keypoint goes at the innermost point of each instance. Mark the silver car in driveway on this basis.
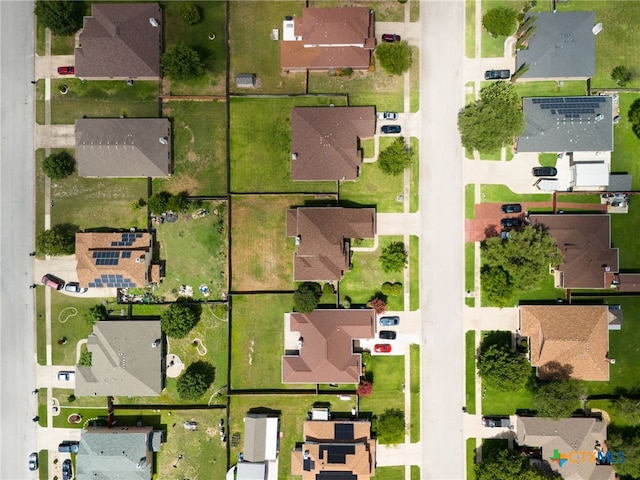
(389, 321)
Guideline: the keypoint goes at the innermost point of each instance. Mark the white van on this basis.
(548, 184)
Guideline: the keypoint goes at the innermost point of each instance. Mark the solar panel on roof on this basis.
(343, 431)
(138, 235)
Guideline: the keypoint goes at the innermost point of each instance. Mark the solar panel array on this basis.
(112, 281)
(343, 431)
(127, 239)
(570, 107)
(106, 258)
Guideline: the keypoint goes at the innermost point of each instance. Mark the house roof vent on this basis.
(154, 22)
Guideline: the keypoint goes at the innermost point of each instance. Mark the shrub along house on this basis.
(123, 147)
(328, 38)
(120, 41)
(323, 238)
(325, 141)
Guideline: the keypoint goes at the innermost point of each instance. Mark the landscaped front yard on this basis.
(366, 277)
(374, 188)
(195, 253)
(261, 254)
(260, 144)
(103, 99)
(199, 148)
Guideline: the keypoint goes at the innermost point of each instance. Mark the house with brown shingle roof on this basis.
(120, 40)
(325, 141)
(569, 340)
(115, 260)
(123, 147)
(585, 243)
(323, 238)
(335, 449)
(328, 38)
(325, 347)
(559, 438)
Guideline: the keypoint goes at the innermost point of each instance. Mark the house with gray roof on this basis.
(123, 147)
(567, 124)
(126, 360)
(562, 45)
(120, 40)
(117, 453)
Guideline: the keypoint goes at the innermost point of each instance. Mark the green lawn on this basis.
(470, 201)
(261, 144)
(388, 376)
(470, 29)
(102, 98)
(385, 11)
(257, 53)
(98, 203)
(42, 407)
(626, 144)
(389, 473)
(547, 159)
(374, 188)
(62, 45)
(61, 420)
(40, 87)
(261, 254)
(502, 194)
(195, 251)
(551, 88)
(414, 392)
(40, 39)
(67, 321)
(292, 410)
(623, 228)
(415, 472)
(469, 266)
(41, 326)
(256, 354)
(199, 148)
(366, 277)
(579, 198)
(368, 147)
(414, 273)
(43, 461)
(39, 185)
(471, 459)
(470, 371)
(364, 88)
(414, 186)
(414, 85)
(213, 53)
(494, 46)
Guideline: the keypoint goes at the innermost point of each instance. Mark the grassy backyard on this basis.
(98, 203)
(624, 227)
(195, 251)
(257, 53)
(199, 148)
(626, 145)
(366, 277)
(261, 254)
(374, 188)
(260, 144)
(213, 53)
(103, 98)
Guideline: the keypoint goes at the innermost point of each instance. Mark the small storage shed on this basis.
(246, 80)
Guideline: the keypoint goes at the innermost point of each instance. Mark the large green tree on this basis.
(391, 426)
(59, 240)
(497, 286)
(62, 17)
(393, 257)
(492, 121)
(500, 21)
(503, 368)
(557, 399)
(395, 158)
(626, 440)
(525, 256)
(179, 319)
(394, 57)
(95, 314)
(505, 464)
(182, 62)
(306, 297)
(195, 381)
(628, 409)
(58, 165)
(621, 75)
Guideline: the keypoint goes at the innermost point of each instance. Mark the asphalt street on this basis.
(17, 325)
(442, 240)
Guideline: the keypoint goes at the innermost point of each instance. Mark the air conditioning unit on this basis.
(139, 259)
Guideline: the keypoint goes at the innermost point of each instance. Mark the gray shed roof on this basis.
(562, 46)
(106, 454)
(124, 362)
(123, 147)
(260, 438)
(251, 471)
(567, 124)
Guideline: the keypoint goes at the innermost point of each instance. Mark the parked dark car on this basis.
(66, 469)
(387, 335)
(66, 70)
(497, 75)
(68, 446)
(511, 208)
(544, 171)
(389, 321)
(390, 37)
(390, 129)
(493, 422)
(33, 462)
(52, 281)
(510, 222)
